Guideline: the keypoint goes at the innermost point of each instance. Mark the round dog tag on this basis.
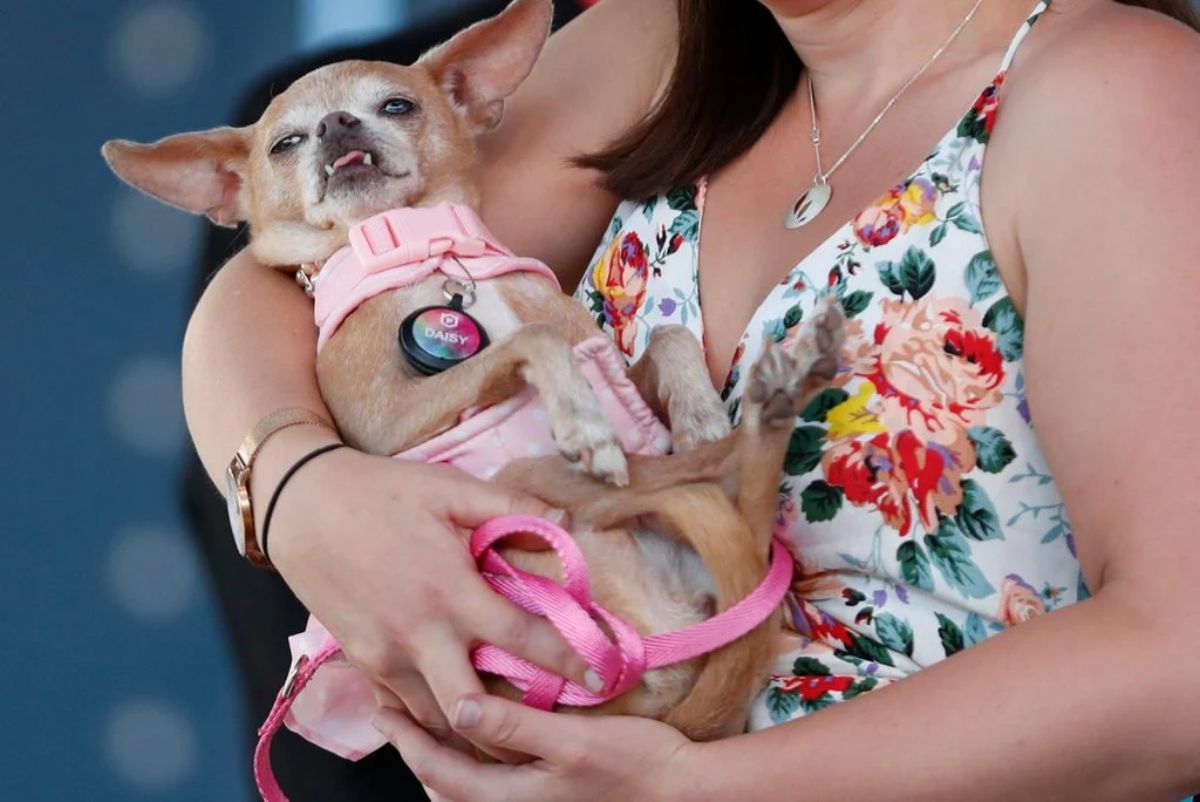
(436, 338)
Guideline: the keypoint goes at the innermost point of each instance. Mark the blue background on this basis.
(116, 680)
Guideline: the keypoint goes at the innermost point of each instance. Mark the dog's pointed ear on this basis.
(484, 64)
(202, 172)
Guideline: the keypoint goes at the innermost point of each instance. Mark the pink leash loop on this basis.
(572, 611)
(620, 662)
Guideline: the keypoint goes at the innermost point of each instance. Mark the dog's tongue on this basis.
(353, 157)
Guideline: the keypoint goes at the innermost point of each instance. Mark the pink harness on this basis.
(396, 249)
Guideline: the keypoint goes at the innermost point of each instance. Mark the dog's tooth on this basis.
(329, 169)
(367, 159)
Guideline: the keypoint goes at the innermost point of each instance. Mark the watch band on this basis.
(276, 422)
(241, 510)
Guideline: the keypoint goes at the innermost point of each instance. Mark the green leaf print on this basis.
(1003, 319)
(983, 280)
(993, 451)
(617, 224)
(820, 501)
(820, 703)
(972, 126)
(816, 410)
(781, 705)
(938, 234)
(914, 565)
(894, 633)
(687, 224)
(975, 633)
(966, 223)
(793, 316)
(859, 688)
(853, 660)
(856, 302)
(810, 667)
(804, 450)
(951, 555)
(976, 516)
(682, 199)
(869, 649)
(917, 272)
(889, 274)
(951, 635)
(649, 206)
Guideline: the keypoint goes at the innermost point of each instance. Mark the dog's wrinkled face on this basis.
(347, 141)
(353, 139)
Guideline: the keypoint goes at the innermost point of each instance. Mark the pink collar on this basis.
(401, 247)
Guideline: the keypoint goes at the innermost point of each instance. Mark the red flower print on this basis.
(813, 687)
(909, 204)
(926, 375)
(620, 278)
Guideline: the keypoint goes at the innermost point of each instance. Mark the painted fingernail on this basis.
(593, 681)
(467, 714)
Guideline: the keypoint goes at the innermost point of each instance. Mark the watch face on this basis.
(233, 502)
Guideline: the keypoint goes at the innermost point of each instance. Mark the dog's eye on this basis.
(397, 106)
(286, 143)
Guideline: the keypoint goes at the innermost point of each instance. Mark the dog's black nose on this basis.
(336, 122)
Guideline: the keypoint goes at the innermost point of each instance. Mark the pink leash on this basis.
(620, 662)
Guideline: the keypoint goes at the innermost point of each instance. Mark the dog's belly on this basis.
(652, 583)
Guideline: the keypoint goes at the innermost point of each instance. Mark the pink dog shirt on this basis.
(397, 249)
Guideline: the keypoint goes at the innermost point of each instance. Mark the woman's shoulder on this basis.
(1098, 63)
(1098, 105)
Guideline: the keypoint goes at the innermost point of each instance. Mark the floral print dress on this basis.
(914, 496)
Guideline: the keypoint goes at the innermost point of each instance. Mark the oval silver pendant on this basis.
(809, 205)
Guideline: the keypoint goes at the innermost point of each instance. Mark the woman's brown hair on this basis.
(739, 71)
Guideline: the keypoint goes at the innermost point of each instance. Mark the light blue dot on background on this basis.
(145, 407)
(159, 47)
(151, 573)
(151, 238)
(150, 745)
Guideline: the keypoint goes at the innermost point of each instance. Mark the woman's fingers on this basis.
(496, 723)
(516, 631)
(449, 773)
(486, 501)
(441, 658)
(447, 670)
(413, 693)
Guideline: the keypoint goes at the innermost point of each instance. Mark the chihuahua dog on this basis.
(669, 540)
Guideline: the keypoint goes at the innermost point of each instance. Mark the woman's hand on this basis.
(574, 757)
(376, 549)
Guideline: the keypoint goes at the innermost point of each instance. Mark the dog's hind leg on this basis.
(781, 382)
(672, 378)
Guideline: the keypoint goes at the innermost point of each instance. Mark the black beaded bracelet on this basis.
(300, 463)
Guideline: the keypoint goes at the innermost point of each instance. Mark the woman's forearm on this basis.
(250, 350)
(1017, 717)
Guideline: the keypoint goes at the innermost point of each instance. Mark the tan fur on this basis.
(668, 540)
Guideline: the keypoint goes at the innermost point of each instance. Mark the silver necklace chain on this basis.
(822, 176)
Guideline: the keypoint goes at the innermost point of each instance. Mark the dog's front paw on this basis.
(589, 442)
(785, 377)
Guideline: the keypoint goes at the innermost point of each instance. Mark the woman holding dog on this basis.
(1054, 285)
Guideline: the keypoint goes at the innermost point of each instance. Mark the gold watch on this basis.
(237, 477)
